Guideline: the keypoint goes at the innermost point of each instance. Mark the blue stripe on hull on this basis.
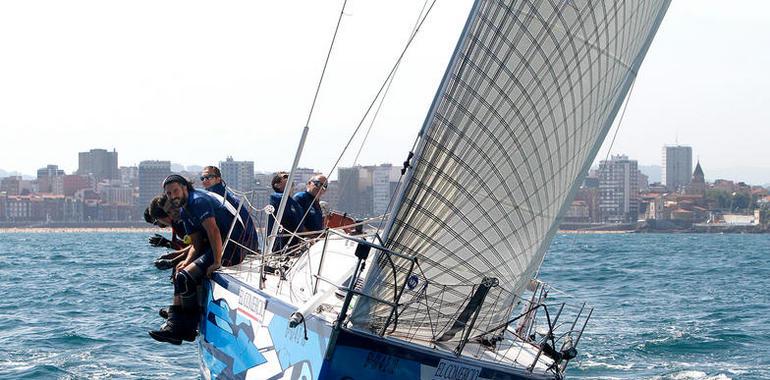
(361, 357)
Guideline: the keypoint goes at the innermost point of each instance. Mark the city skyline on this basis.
(199, 88)
(653, 171)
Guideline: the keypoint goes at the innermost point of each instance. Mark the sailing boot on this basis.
(181, 325)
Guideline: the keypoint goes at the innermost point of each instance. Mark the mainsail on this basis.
(529, 95)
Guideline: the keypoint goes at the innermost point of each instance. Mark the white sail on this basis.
(530, 94)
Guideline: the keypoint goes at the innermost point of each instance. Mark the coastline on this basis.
(588, 232)
(40, 230)
(151, 230)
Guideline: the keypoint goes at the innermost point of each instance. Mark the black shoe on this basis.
(168, 335)
(163, 312)
(164, 264)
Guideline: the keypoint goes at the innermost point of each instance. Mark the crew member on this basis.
(292, 213)
(207, 218)
(309, 201)
(211, 179)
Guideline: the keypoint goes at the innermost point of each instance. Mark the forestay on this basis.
(530, 94)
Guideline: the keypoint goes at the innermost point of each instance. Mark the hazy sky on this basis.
(193, 82)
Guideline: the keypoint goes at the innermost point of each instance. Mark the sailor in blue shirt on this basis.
(309, 201)
(207, 218)
(211, 178)
(292, 213)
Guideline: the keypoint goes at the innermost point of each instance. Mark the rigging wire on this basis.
(620, 121)
(371, 105)
(326, 63)
(382, 87)
(387, 90)
(307, 127)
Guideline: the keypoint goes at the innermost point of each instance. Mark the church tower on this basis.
(697, 185)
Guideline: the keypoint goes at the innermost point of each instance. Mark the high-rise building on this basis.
(239, 175)
(332, 196)
(384, 183)
(355, 191)
(11, 185)
(99, 163)
(301, 176)
(115, 193)
(366, 191)
(46, 178)
(262, 190)
(619, 189)
(129, 175)
(73, 183)
(677, 166)
(151, 176)
(3, 206)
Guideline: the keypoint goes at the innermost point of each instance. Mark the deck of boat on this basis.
(333, 261)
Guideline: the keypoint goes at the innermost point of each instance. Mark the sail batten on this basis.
(530, 94)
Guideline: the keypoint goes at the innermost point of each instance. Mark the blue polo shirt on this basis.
(292, 214)
(314, 221)
(202, 205)
(221, 190)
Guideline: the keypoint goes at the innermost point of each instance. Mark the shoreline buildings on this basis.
(238, 175)
(615, 193)
(151, 174)
(99, 163)
(677, 166)
(618, 190)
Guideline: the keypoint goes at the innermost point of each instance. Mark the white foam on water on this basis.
(595, 364)
(692, 375)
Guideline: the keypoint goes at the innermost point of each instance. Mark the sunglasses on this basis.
(205, 177)
(321, 184)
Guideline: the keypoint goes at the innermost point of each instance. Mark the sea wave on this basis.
(678, 307)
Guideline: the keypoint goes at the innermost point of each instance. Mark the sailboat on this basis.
(448, 288)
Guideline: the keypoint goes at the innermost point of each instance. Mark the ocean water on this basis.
(78, 306)
(668, 306)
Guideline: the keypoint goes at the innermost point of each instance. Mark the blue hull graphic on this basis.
(245, 335)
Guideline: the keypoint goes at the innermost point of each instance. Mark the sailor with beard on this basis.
(207, 218)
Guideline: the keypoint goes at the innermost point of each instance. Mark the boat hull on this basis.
(358, 355)
(245, 334)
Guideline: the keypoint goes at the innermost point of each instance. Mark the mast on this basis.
(286, 195)
(305, 130)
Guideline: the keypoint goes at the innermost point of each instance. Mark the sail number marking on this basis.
(251, 305)
(381, 362)
(449, 370)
